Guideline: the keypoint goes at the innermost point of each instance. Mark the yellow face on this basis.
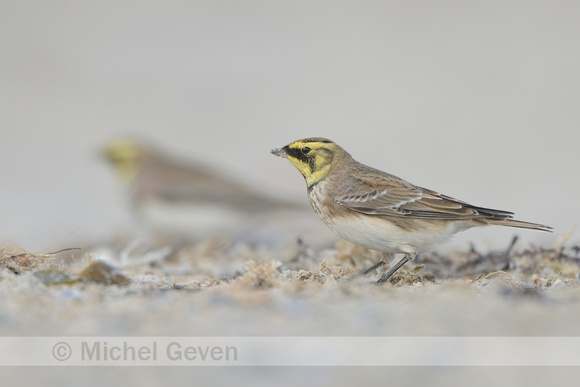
(313, 157)
(126, 155)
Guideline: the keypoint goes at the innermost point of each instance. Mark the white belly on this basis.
(379, 234)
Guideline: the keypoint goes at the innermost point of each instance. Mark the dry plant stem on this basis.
(57, 242)
(384, 278)
(550, 282)
(494, 273)
(63, 250)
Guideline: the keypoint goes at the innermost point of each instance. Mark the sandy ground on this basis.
(214, 288)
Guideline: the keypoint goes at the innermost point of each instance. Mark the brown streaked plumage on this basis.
(380, 211)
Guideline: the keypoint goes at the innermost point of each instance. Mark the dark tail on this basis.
(519, 224)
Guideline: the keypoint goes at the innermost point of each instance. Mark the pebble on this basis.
(55, 276)
(104, 273)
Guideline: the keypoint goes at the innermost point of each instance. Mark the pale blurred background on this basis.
(478, 100)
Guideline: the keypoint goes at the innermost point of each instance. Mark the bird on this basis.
(196, 201)
(380, 211)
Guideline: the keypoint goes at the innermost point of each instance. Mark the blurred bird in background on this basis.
(190, 200)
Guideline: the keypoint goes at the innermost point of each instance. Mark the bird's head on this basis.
(127, 156)
(314, 157)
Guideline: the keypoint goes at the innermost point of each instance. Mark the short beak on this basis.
(280, 152)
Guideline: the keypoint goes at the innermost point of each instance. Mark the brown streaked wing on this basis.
(389, 195)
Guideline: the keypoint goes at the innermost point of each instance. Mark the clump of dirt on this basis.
(260, 274)
(411, 277)
(324, 274)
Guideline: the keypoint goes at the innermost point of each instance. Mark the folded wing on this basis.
(392, 196)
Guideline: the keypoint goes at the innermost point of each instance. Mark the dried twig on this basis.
(480, 278)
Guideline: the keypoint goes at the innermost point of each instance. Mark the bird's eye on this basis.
(305, 150)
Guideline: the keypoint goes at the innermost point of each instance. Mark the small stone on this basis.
(104, 273)
(55, 276)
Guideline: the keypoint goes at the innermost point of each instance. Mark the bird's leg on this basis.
(368, 270)
(383, 261)
(385, 277)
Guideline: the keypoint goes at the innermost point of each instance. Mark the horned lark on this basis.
(379, 211)
(182, 198)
